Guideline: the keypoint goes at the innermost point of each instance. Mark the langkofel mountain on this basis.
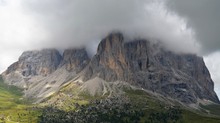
(118, 67)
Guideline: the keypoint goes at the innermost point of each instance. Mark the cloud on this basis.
(77, 22)
(203, 16)
(18, 32)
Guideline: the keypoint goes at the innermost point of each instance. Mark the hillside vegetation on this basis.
(134, 106)
(13, 108)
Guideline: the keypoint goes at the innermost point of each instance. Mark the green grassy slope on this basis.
(212, 108)
(13, 108)
(191, 117)
(137, 104)
(152, 104)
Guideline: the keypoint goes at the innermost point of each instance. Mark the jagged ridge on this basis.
(148, 65)
(141, 63)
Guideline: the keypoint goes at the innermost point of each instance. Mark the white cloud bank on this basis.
(18, 32)
(77, 22)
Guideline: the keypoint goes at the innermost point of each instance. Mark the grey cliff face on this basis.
(42, 73)
(110, 58)
(45, 62)
(148, 65)
(33, 63)
(75, 59)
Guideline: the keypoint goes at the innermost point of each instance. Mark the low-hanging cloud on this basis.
(36, 24)
(203, 16)
(77, 22)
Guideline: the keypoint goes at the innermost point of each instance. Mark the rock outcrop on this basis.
(75, 59)
(148, 65)
(42, 73)
(140, 63)
(33, 63)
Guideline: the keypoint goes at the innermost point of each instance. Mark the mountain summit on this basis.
(139, 63)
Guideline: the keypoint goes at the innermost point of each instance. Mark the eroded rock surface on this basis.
(140, 63)
(148, 65)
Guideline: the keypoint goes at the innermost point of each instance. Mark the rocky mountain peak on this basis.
(42, 72)
(109, 57)
(147, 65)
(32, 63)
(140, 63)
(112, 43)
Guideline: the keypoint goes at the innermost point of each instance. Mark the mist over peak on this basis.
(78, 23)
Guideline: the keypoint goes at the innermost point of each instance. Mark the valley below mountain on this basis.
(125, 82)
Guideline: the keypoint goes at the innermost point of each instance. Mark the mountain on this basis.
(141, 63)
(148, 65)
(133, 76)
(41, 73)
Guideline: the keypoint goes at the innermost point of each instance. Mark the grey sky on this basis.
(183, 25)
(77, 22)
(204, 17)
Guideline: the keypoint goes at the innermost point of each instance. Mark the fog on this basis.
(77, 23)
(203, 16)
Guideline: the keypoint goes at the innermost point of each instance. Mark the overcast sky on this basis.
(189, 26)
